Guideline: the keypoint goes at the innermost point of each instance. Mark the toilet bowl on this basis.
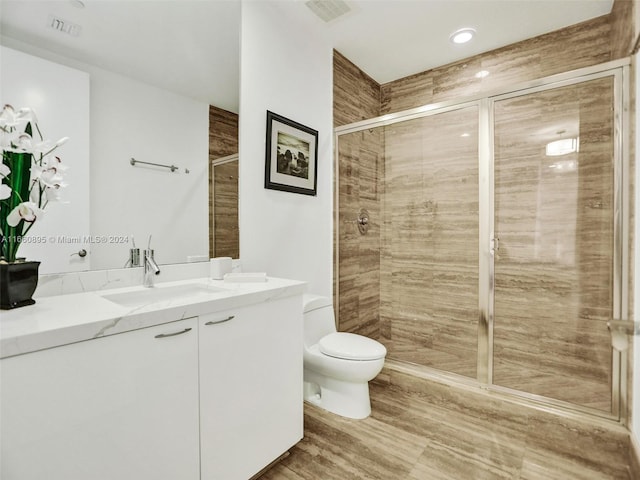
(337, 365)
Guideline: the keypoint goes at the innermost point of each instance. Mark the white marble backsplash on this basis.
(91, 281)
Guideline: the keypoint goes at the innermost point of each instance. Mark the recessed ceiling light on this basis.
(77, 3)
(482, 74)
(462, 36)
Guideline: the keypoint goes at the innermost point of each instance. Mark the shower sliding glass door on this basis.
(430, 240)
(554, 215)
(496, 245)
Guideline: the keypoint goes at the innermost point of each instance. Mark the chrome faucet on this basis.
(150, 268)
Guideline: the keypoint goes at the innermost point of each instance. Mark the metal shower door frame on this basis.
(619, 70)
(619, 74)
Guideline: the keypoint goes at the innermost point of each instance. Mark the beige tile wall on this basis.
(374, 298)
(223, 141)
(357, 97)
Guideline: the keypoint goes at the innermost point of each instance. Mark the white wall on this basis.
(286, 68)
(133, 119)
(59, 96)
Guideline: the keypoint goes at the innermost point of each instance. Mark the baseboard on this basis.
(634, 457)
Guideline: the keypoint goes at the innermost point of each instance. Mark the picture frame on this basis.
(291, 162)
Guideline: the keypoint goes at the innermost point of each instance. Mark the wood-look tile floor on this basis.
(418, 436)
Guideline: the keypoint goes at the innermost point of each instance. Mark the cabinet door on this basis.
(118, 407)
(250, 387)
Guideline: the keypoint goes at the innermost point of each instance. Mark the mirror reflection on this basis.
(156, 81)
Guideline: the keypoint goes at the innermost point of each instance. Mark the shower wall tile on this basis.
(623, 36)
(587, 43)
(223, 141)
(223, 133)
(457, 79)
(226, 242)
(408, 236)
(406, 93)
(356, 96)
(359, 255)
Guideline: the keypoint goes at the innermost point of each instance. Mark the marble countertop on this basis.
(64, 319)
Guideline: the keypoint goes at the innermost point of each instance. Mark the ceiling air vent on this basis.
(64, 26)
(328, 10)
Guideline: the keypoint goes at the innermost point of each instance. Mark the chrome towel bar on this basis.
(173, 168)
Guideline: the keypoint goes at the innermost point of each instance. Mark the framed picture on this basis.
(291, 156)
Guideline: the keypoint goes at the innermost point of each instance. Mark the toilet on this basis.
(337, 365)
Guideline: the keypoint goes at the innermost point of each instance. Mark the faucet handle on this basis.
(134, 257)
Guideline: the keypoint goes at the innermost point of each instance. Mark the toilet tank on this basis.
(318, 318)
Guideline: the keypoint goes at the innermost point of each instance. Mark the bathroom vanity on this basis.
(190, 380)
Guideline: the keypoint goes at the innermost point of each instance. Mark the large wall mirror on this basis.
(162, 87)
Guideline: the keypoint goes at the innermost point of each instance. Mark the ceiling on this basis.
(395, 38)
(191, 47)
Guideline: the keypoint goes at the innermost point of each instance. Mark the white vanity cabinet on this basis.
(250, 387)
(119, 407)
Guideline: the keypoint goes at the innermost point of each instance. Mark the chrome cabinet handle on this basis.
(215, 322)
(165, 335)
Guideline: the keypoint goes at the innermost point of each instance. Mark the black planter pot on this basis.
(18, 281)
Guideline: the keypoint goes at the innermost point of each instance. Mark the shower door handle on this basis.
(495, 245)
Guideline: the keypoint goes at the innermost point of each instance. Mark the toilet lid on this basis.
(351, 346)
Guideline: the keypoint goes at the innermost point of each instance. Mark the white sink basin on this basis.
(144, 296)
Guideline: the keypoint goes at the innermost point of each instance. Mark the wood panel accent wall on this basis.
(223, 141)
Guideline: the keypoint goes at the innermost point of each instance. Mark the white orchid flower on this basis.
(5, 191)
(52, 194)
(10, 119)
(7, 116)
(55, 163)
(24, 144)
(27, 211)
(8, 139)
(49, 174)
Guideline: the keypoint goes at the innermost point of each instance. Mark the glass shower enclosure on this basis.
(497, 244)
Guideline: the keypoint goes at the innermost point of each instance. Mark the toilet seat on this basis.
(350, 346)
